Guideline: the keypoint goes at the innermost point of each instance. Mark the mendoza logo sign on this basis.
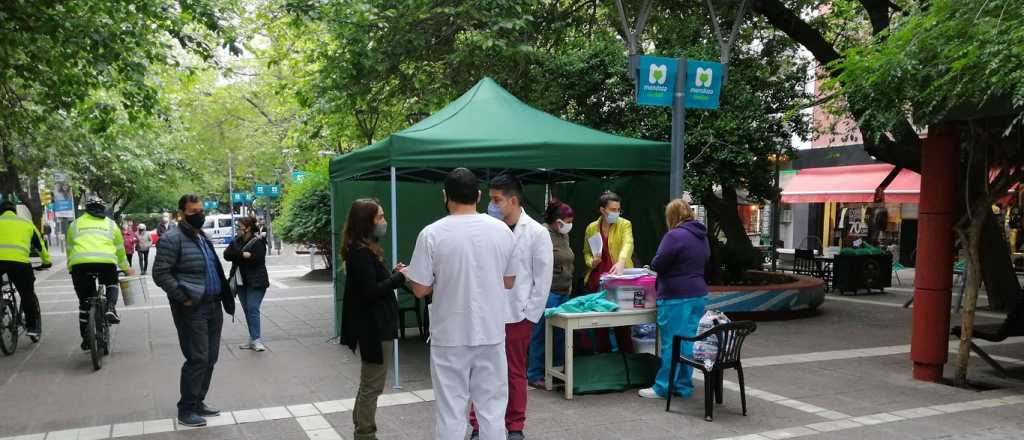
(656, 81)
(703, 84)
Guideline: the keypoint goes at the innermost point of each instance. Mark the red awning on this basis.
(851, 184)
(905, 188)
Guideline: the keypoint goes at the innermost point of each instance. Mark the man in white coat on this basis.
(466, 260)
(525, 302)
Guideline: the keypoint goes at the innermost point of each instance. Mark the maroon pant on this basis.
(517, 347)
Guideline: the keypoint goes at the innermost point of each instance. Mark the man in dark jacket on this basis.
(187, 268)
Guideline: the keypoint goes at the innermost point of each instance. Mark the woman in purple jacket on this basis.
(682, 291)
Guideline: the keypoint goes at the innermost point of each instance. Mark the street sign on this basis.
(266, 190)
(656, 81)
(210, 204)
(703, 84)
(298, 176)
(241, 197)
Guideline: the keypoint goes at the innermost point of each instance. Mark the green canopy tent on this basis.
(490, 131)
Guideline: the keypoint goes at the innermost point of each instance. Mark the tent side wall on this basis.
(420, 204)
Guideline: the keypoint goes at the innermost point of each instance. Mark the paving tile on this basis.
(397, 399)
(67, 434)
(303, 410)
(225, 418)
(29, 437)
(323, 434)
(248, 416)
(835, 425)
(833, 415)
(275, 413)
(157, 426)
(781, 434)
(915, 413)
(127, 429)
(331, 406)
(94, 433)
(311, 423)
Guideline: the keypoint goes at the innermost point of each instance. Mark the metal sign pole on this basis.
(394, 257)
(676, 183)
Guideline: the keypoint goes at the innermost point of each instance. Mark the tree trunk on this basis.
(32, 201)
(738, 254)
(970, 300)
(996, 266)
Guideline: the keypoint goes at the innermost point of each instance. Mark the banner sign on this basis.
(703, 84)
(656, 81)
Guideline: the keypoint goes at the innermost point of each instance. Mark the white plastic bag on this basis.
(707, 350)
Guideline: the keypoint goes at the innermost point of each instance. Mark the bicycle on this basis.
(97, 334)
(12, 315)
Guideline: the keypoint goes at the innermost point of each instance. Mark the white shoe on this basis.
(246, 346)
(648, 393)
(258, 346)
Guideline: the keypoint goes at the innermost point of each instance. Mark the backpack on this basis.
(706, 351)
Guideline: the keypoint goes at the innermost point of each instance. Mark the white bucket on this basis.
(133, 288)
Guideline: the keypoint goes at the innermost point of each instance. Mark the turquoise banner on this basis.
(656, 81)
(703, 84)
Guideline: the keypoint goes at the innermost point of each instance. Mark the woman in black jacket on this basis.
(369, 315)
(247, 254)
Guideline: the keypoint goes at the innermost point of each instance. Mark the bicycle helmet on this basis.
(8, 203)
(94, 205)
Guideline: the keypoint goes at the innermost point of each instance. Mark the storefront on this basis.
(839, 205)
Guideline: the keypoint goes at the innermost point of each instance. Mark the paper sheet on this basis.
(596, 245)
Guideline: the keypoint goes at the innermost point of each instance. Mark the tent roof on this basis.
(488, 127)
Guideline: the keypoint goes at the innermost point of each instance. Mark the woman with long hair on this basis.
(247, 254)
(370, 311)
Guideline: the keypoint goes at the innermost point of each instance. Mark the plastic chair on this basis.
(896, 268)
(730, 343)
(407, 302)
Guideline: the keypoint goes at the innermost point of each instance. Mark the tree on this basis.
(306, 216)
(57, 57)
(380, 60)
(924, 66)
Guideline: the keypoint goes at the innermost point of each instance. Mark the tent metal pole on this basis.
(394, 258)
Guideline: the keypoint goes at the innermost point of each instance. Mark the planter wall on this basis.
(806, 293)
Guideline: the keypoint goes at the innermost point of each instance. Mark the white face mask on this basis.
(564, 228)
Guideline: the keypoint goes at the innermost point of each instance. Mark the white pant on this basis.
(460, 374)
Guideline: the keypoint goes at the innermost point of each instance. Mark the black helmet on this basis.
(8, 203)
(94, 205)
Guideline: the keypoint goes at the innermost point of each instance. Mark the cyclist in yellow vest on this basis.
(18, 238)
(95, 250)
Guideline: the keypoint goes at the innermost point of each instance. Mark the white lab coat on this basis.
(529, 295)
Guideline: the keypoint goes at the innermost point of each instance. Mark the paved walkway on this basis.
(841, 374)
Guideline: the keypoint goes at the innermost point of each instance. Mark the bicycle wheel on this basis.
(95, 350)
(8, 328)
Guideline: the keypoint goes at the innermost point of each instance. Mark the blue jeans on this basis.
(535, 366)
(677, 317)
(251, 299)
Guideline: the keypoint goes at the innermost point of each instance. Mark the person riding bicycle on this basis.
(18, 238)
(95, 249)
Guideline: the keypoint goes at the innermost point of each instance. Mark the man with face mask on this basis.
(524, 304)
(188, 270)
(95, 250)
(164, 225)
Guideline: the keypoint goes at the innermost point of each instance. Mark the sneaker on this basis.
(516, 435)
(245, 346)
(475, 435)
(112, 317)
(648, 393)
(258, 346)
(34, 336)
(538, 384)
(206, 411)
(191, 420)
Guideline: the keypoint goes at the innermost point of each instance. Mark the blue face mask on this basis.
(494, 210)
(613, 217)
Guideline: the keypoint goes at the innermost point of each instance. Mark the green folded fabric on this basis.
(595, 302)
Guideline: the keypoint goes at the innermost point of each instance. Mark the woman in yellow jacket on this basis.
(616, 242)
(616, 255)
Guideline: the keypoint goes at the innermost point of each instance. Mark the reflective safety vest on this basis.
(17, 238)
(95, 240)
